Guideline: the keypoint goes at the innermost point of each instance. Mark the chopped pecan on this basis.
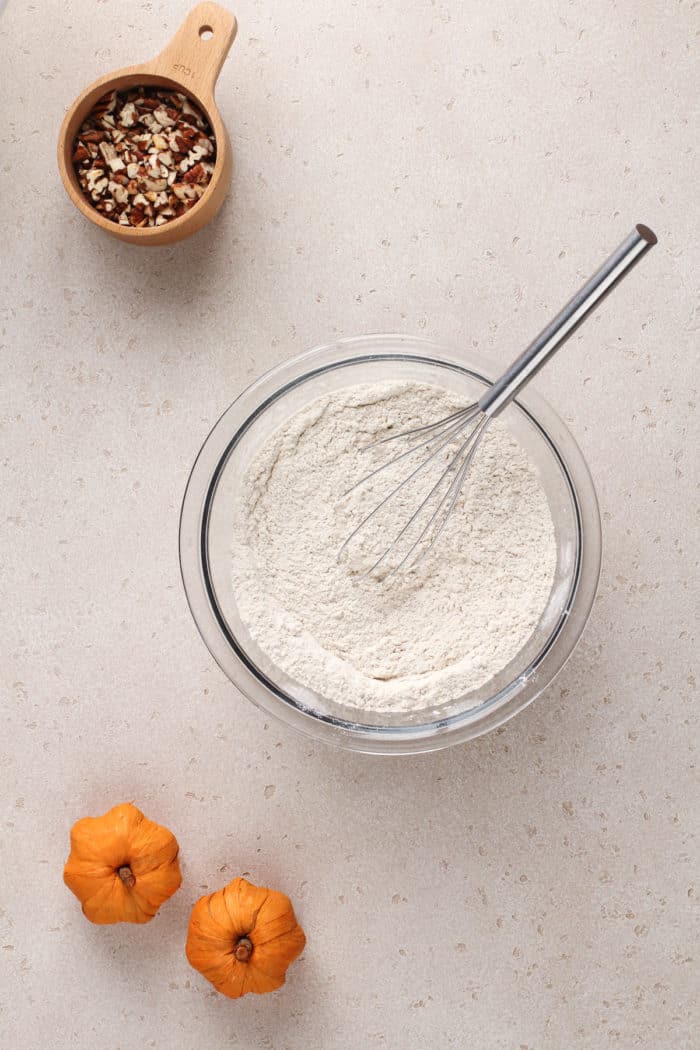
(195, 174)
(92, 136)
(144, 156)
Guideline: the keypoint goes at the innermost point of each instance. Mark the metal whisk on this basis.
(465, 428)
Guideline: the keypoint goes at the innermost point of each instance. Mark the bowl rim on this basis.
(235, 662)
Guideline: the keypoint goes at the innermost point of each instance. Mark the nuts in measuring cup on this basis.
(144, 156)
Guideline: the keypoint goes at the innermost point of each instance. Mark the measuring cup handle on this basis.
(196, 53)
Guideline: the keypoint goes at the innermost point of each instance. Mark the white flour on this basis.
(421, 637)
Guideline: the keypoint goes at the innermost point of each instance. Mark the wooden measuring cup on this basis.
(190, 63)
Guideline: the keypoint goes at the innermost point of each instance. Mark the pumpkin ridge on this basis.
(248, 926)
(259, 909)
(166, 863)
(269, 968)
(269, 981)
(282, 934)
(215, 921)
(233, 915)
(158, 884)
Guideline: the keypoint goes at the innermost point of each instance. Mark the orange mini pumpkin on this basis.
(121, 866)
(242, 938)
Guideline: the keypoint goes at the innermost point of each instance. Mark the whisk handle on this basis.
(567, 320)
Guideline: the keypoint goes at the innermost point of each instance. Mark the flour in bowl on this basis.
(420, 637)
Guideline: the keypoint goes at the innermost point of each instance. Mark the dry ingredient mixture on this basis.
(145, 156)
(421, 637)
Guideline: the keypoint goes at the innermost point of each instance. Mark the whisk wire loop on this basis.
(462, 418)
(473, 436)
(454, 489)
(447, 437)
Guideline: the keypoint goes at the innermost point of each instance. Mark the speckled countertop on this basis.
(437, 167)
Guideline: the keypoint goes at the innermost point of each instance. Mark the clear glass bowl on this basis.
(205, 542)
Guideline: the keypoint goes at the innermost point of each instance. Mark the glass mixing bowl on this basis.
(205, 545)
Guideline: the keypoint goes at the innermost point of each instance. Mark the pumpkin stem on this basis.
(127, 876)
(243, 949)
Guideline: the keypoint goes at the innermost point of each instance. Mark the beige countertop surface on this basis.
(447, 169)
